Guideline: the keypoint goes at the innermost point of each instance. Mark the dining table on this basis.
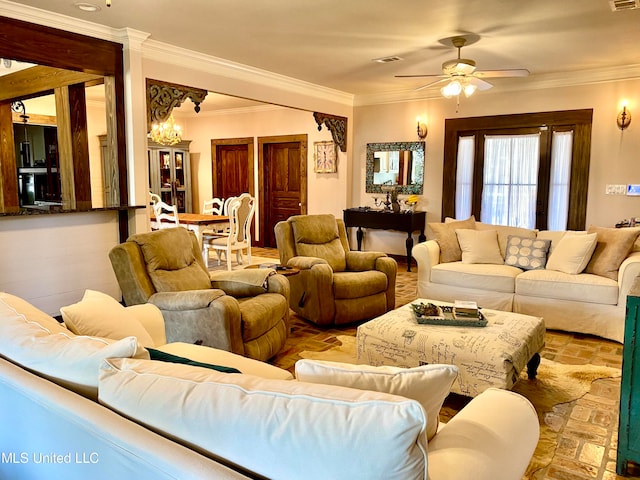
(197, 222)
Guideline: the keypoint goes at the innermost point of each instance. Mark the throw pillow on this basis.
(479, 246)
(526, 253)
(55, 352)
(573, 252)
(250, 421)
(613, 246)
(504, 231)
(101, 315)
(428, 384)
(445, 235)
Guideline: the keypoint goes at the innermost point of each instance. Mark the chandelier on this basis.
(166, 133)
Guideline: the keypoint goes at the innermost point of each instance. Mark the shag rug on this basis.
(556, 384)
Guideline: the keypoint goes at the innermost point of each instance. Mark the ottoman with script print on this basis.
(490, 356)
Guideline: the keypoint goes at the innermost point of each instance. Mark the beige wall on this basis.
(615, 157)
(260, 122)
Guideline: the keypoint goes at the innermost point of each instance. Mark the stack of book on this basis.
(466, 310)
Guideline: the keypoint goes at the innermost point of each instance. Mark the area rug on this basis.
(214, 267)
(556, 384)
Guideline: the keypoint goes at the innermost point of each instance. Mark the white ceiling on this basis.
(332, 42)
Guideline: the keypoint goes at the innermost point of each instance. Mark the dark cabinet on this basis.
(170, 174)
(628, 431)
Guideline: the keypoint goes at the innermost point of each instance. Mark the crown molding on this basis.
(132, 39)
(164, 52)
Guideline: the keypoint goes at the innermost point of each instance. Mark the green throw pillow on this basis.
(167, 357)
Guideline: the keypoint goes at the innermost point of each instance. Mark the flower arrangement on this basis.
(412, 199)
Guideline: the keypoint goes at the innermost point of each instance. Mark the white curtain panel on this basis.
(561, 149)
(464, 176)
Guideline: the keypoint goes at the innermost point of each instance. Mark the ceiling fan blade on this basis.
(421, 76)
(479, 84)
(445, 79)
(516, 72)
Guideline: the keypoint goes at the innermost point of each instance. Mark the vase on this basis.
(395, 206)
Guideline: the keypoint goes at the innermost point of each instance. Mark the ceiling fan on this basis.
(462, 76)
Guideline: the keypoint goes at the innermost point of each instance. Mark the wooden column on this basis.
(110, 171)
(65, 148)
(8, 169)
(80, 146)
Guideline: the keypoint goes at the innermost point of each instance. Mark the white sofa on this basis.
(165, 420)
(576, 294)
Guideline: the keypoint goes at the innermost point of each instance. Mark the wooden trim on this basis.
(33, 43)
(36, 119)
(579, 120)
(39, 80)
(65, 148)
(9, 201)
(80, 146)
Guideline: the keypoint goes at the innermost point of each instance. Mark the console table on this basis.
(385, 220)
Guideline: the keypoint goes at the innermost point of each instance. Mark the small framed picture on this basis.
(326, 157)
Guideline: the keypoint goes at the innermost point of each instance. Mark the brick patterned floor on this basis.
(588, 427)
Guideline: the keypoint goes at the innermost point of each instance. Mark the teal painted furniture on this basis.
(628, 431)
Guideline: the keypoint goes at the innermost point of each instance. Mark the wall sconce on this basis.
(421, 129)
(624, 117)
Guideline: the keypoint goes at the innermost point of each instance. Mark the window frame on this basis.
(578, 120)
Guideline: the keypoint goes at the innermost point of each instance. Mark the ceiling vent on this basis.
(387, 59)
(620, 5)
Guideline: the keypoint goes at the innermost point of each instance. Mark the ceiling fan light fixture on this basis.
(469, 89)
(451, 89)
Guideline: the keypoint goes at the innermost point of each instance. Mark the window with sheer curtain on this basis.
(513, 172)
(561, 148)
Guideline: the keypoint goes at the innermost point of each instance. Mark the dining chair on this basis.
(227, 202)
(153, 199)
(215, 206)
(240, 212)
(166, 215)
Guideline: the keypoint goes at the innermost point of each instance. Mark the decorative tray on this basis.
(431, 314)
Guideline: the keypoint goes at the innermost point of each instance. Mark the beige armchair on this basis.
(244, 312)
(335, 285)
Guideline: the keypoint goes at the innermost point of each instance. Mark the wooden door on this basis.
(283, 182)
(232, 172)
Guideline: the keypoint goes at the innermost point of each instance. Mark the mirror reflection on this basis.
(39, 158)
(396, 163)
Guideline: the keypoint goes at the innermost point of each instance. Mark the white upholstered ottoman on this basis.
(491, 356)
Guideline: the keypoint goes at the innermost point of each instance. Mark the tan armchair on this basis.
(335, 285)
(244, 312)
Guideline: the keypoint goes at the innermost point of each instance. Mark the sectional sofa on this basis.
(82, 406)
(576, 281)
